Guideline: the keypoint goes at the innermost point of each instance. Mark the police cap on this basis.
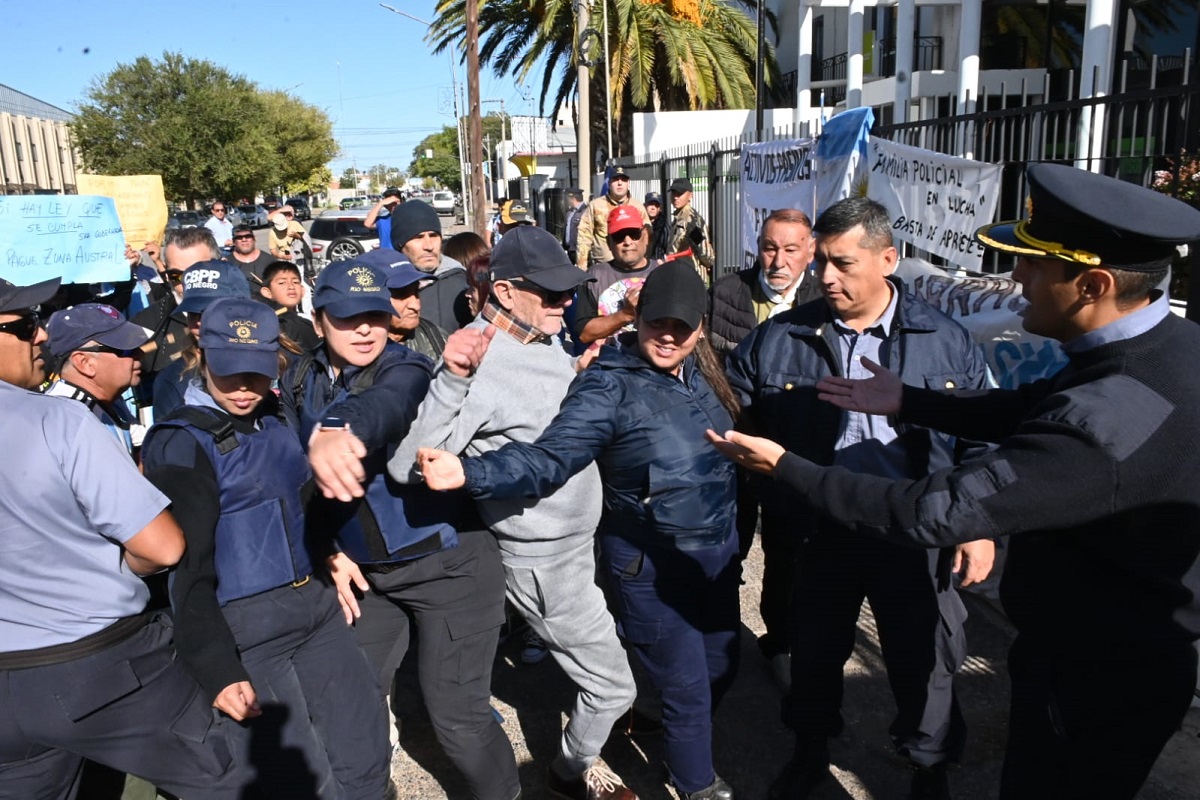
(1093, 220)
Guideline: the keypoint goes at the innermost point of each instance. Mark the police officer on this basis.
(100, 358)
(413, 553)
(1094, 475)
(266, 642)
(84, 671)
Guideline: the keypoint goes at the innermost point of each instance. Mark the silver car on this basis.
(254, 215)
(341, 235)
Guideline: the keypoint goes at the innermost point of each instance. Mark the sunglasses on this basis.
(25, 328)
(627, 233)
(549, 296)
(175, 275)
(103, 348)
(244, 236)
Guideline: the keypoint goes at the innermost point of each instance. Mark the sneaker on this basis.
(929, 783)
(533, 649)
(598, 783)
(719, 790)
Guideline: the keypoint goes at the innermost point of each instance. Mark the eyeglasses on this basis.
(627, 233)
(175, 275)
(551, 297)
(103, 348)
(25, 328)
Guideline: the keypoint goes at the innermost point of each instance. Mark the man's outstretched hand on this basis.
(880, 394)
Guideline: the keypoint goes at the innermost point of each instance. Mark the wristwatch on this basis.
(333, 424)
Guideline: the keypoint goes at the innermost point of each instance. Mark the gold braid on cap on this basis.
(1021, 231)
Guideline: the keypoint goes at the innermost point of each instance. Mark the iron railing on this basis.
(927, 55)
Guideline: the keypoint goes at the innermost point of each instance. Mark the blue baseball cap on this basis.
(357, 286)
(395, 265)
(72, 328)
(240, 335)
(205, 281)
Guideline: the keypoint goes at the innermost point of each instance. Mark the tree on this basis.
(209, 133)
(443, 164)
(665, 55)
(349, 179)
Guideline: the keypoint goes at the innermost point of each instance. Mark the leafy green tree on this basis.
(443, 165)
(209, 133)
(349, 179)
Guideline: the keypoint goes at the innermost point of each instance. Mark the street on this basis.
(750, 743)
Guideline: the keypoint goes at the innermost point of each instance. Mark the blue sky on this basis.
(370, 70)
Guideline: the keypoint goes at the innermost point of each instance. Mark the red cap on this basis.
(624, 216)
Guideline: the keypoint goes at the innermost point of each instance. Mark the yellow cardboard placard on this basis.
(141, 203)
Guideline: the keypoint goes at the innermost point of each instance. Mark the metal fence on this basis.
(1135, 135)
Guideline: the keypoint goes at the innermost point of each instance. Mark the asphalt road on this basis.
(750, 743)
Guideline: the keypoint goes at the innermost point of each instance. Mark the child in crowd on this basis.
(283, 290)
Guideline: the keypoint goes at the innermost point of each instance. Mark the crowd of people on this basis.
(244, 497)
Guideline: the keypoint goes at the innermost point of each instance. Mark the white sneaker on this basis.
(533, 649)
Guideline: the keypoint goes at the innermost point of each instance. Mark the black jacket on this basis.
(733, 306)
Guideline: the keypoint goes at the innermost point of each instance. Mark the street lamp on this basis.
(473, 191)
(462, 171)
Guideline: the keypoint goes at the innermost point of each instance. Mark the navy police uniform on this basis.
(247, 605)
(426, 555)
(1095, 477)
(85, 672)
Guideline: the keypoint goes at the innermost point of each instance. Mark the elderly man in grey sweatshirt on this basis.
(479, 403)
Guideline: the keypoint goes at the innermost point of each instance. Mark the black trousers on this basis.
(1089, 725)
(130, 707)
(919, 618)
(780, 544)
(456, 600)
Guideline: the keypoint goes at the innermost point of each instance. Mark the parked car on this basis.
(271, 204)
(352, 202)
(301, 207)
(255, 216)
(341, 235)
(185, 219)
(443, 203)
(234, 215)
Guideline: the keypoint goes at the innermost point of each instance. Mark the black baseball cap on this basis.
(535, 255)
(22, 298)
(680, 185)
(674, 290)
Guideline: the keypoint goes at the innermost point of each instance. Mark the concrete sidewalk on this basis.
(751, 744)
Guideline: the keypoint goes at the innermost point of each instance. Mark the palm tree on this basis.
(665, 55)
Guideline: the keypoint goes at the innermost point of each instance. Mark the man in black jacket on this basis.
(779, 280)
(1094, 476)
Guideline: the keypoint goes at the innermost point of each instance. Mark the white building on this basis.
(36, 155)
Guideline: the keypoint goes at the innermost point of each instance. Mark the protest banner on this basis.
(774, 175)
(74, 237)
(141, 204)
(988, 306)
(936, 202)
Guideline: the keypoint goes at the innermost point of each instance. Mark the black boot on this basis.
(929, 783)
(807, 769)
(719, 790)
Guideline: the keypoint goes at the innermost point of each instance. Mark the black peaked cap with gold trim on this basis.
(1089, 219)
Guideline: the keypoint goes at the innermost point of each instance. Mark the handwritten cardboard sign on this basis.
(141, 204)
(74, 237)
(936, 202)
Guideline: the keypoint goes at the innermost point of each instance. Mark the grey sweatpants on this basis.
(560, 599)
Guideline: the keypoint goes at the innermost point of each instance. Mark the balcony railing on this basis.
(927, 55)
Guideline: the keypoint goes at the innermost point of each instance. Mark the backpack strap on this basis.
(221, 430)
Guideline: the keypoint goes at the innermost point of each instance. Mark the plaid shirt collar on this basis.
(495, 314)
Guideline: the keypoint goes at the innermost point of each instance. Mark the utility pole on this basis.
(583, 135)
(474, 121)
